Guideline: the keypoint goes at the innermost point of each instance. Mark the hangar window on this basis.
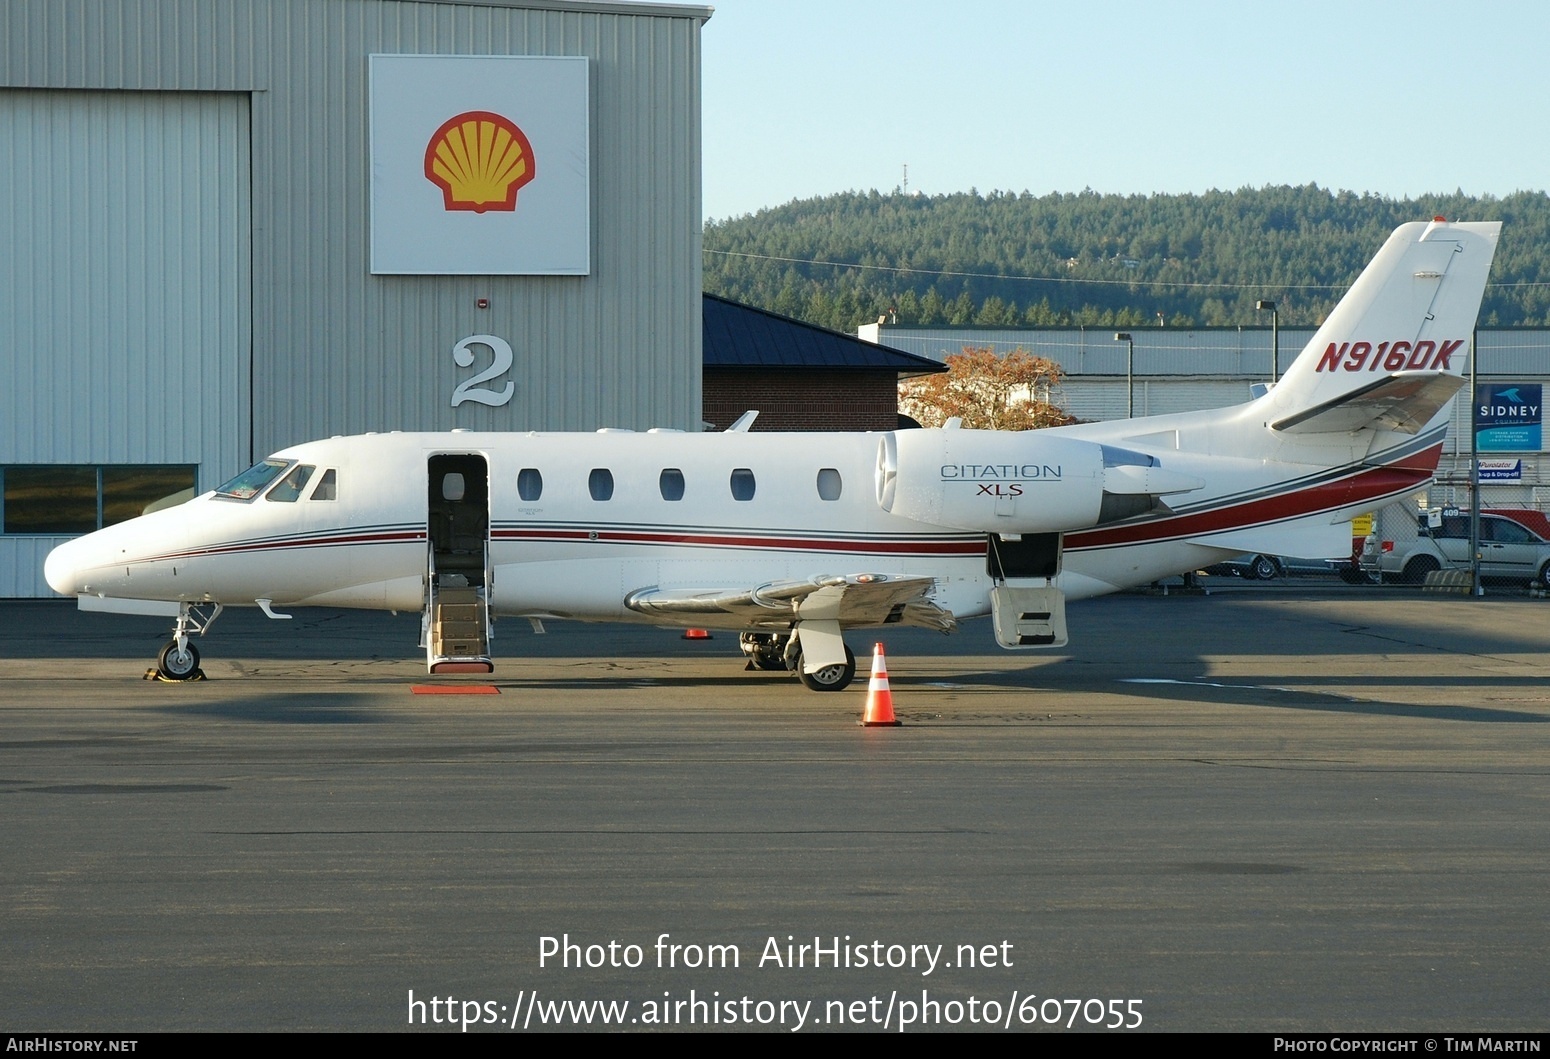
(327, 488)
(290, 487)
(58, 499)
(600, 483)
(742, 484)
(672, 484)
(829, 483)
(530, 484)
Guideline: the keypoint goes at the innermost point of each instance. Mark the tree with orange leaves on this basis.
(1018, 391)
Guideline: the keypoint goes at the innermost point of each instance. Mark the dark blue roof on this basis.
(740, 336)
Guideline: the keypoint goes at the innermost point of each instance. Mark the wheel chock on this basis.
(155, 674)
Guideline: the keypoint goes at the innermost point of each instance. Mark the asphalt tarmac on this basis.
(1280, 809)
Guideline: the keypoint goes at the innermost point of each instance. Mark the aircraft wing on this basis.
(1404, 401)
(854, 600)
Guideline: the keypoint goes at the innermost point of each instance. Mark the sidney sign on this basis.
(1509, 417)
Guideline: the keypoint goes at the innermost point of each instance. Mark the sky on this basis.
(803, 98)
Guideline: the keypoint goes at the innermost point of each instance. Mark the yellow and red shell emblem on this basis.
(479, 159)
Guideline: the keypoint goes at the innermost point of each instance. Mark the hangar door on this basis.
(125, 321)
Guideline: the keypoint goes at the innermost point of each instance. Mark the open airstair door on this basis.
(1025, 606)
(455, 628)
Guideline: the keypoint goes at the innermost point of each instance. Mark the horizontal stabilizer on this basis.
(1405, 402)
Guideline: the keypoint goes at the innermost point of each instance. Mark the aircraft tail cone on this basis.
(696, 634)
(879, 699)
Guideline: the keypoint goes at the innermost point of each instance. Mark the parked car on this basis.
(1264, 567)
(1509, 549)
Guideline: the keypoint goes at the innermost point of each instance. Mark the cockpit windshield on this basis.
(290, 487)
(253, 481)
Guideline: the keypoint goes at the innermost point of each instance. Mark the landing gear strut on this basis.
(783, 651)
(765, 650)
(179, 660)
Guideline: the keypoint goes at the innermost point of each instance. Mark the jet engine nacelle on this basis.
(1004, 482)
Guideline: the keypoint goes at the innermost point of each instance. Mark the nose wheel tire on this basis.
(829, 678)
(178, 665)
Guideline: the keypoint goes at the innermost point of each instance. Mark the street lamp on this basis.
(1275, 339)
(1130, 372)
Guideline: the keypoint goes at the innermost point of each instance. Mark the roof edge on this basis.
(922, 365)
(701, 12)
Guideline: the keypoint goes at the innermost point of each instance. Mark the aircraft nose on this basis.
(62, 568)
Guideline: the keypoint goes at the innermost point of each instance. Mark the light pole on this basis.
(1130, 372)
(1275, 339)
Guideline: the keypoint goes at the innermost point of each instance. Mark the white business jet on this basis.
(792, 539)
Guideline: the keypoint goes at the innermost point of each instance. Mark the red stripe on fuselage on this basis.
(708, 540)
(1406, 474)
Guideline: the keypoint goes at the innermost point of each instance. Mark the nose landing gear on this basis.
(179, 660)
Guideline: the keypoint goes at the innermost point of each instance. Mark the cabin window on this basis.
(829, 483)
(600, 483)
(671, 483)
(327, 488)
(742, 484)
(290, 487)
(252, 481)
(530, 484)
(57, 499)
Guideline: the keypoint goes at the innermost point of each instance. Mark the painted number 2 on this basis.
(469, 389)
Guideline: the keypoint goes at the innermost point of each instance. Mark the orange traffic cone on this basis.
(879, 699)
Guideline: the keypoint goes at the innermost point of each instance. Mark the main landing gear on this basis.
(775, 651)
(179, 660)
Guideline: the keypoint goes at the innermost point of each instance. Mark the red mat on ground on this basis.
(454, 689)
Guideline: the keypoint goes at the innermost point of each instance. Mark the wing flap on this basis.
(856, 600)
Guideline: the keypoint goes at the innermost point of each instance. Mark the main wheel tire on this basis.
(1416, 569)
(1264, 567)
(178, 665)
(768, 662)
(829, 678)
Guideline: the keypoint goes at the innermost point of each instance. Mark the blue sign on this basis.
(1501, 470)
(1508, 417)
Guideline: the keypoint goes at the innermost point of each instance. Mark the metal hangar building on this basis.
(227, 226)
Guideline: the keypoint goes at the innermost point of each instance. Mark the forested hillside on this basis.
(1104, 260)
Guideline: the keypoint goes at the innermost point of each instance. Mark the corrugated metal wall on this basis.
(124, 281)
(335, 349)
(123, 277)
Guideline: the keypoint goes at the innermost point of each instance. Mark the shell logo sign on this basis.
(456, 141)
(480, 160)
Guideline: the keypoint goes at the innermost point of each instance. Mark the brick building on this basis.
(798, 377)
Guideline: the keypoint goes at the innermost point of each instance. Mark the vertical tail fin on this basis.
(1393, 352)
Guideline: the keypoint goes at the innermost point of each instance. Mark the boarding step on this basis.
(1028, 617)
(459, 630)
